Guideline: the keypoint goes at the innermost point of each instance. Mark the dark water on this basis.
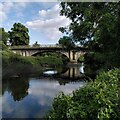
(33, 97)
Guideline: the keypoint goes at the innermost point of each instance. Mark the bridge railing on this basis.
(40, 46)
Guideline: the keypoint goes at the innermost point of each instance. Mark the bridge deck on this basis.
(45, 47)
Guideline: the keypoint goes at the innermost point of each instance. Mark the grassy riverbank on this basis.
(16, 65)
(98, 100)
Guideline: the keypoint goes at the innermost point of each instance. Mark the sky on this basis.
(41, 18)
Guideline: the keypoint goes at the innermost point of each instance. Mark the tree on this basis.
(67, 42)
(89, 20)
(95, 23)
(19, 35)
(36, 44)
(3, 36)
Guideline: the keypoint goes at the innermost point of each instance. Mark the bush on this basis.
(9, 57)
(3, 46)
(81, 58)
(50, 60)
(98, 100)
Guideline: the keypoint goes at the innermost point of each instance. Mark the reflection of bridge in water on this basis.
(74, 72)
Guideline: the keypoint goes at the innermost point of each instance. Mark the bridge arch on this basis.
(65, 54)
(78, 54)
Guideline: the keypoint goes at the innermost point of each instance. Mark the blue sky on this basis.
(42, 19)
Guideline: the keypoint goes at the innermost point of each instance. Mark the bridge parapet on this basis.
(40, 46)
(49, 46)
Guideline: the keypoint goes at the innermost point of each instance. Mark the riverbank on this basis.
(13, 65)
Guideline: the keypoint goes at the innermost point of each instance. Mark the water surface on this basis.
(33, 97)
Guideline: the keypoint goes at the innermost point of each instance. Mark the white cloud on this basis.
(3, 16)
(5, 8)
(49, 22)
(43, 87)
(50, 13)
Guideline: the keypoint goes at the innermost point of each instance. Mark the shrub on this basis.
(50, 60)
(10, 57)
(81, 58)
(3, 46)
(98, 100)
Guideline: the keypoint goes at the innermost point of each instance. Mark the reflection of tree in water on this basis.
(63, 82)
(18, 88)
(66, 81)
(91, 70)
(64, 69)
(4, 86)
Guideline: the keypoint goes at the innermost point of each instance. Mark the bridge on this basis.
(72, 54)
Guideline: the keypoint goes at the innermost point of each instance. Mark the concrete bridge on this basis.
(72, 54)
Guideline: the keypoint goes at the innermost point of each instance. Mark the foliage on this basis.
(50, 60)
(14, 64)
(19, 35)
(3, 46)
(98, 100)
(90, 18)
(81, 58)
(36, 44)
(54, 58)
(8, 57)
(3, 36)
(60, 107)
(95, 25)
(15, 69)
(67, 42)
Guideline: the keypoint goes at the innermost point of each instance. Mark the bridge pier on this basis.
(72, 57)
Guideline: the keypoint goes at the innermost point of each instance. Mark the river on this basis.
(32, 97)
